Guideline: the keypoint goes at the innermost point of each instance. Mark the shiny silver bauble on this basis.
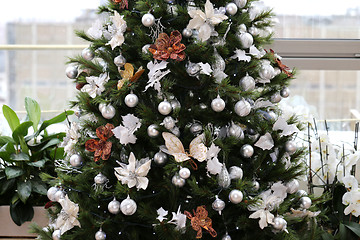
(266, 72)
(88, 54)
(169, 123)
(100, 179)
(305, 202)
(196, 128)
(236, 172)
(184, 173)
(119, 61)
(152, 131)
(178, 181)
(59, 195)
(246, 151)
(164, 107)
(114, 206)
(301, 193)
(285, 92)
(242, 108)
(279, 223)
(128, 206)
(231, 8)
(108, 111)
(290, 147)
(131, 100)
(246, 40)
(240, 3)
(100, 235)
(160, 158)
(235, 131)
(275, 98)
(218, 104)
(175, 104)
(218, 205)
(236, 196)
(193, 69)
(226, 237)
(255, 186)
(187, 33)
(148, 20)
(51, 193)
(71, 72)
(75, 160)
(247, 83)
(292, 186)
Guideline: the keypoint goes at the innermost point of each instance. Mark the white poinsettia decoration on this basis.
(204, 22)
(135, 173)
(205, 68)
(287, 129)
(156, 73)
(67, 218)
(161, 214)
(96, 30)
(71, 138)
(125, 132)
(117, 30)
(178, 219)
(95, 85)
(265, 142)
(241, 56)
(213, 165)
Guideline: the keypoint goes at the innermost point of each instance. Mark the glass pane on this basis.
(316, 19)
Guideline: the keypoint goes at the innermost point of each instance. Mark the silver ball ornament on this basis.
(247, 83)
(301, 193)
(59, 195)
(242, 108)
(128, 206)
(160, 158)
(218, 104)
(51, 193)
(305, 202)
(101, 106)
(236, 196)
(148, 20)
(240, 3)
(176, 131)
(56, 235)
(131, 100)
(255, 185)
(178, 181)
(193, 69)
(114, 206)
(292, 186)
(108, 111)
(71, 72)
(175, 104)
(231, 8)
(279, 223)
(187, 32)
(246, 40)
(100, 235)
(290, 147)
(285, 92)
(164, 107)
(184, 173)
(275, 98)
(152, 131)
(100, 179)
(218, 205)
(119, 61)
(226, 237)
(75, 160)
(246, 151)
(196, 128)
(236, 172)
(266, 72)
(169, 123)
(235, 131)
(88, 54)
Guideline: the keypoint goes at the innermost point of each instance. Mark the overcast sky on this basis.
(67, 10)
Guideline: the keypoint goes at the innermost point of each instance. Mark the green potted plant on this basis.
(23, 156)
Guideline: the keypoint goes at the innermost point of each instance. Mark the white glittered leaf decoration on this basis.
(259, 103)
(205, 68)
(213, 166)
(162, 213)
(265, 142)
(125, 132)
(241, 55)
(156, 74)
(287, 129)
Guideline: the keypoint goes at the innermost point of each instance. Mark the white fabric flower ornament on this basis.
(125, 132)
(178, 219)
(117, 30)
(135, 173)
(67, 218)
(95, 85)
(204, 22)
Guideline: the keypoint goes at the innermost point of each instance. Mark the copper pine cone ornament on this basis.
(102, 147)
(168, 47)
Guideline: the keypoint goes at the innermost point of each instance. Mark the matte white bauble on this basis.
(114, 206)
(242, 108)
(218, 104)
(236, 196)
(246, 40)
(164, 107)
(128, 206)
(184, 173)
(131, 100)
(148, 20)
(108, 111)
(75, 160)
(51, 193)
(231, 8)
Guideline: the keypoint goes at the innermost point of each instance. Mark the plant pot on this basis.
(9, 229)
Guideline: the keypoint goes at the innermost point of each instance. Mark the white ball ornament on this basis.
(56, 235)
(59, 195)
(187, 32)
(88, 54)
(285, 92)
(114, 206)
(247, 83)
(266, 72)
(75, 160)
(242, 108)
(279, 223)
(305, 202)
(119, 61)
(51, 193)
(236, 172)
(218, 104)
(169, 123)
(184, 173)
(231, 8)
(240, 3)
(128, 206)
(292, 186)
(247, 151)
(71, 72)
(236, 196)
(226, 237)
(255, 185)
(160, 158)
(100, 235)
(246, 40)
(152, 131)
(218, 205)
(290, 147)
(164, 107)
(148, 20)
(178, 181)
(100, 179)
(108, 111)
(131, 100)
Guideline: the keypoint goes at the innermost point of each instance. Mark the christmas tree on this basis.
(179, 133)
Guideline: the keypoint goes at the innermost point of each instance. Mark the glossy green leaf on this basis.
(11, 117)
(354, 227)
(5, 139)
(13, 172)
(51, 143)
(38, 164)
(21, 212)
(24, 190)
(57, 119)
(57, 153)
(6, 185)
(34, 112)
(39, 187)
(327, 236)
(21, 131)
(20, 157)
(6, 151)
